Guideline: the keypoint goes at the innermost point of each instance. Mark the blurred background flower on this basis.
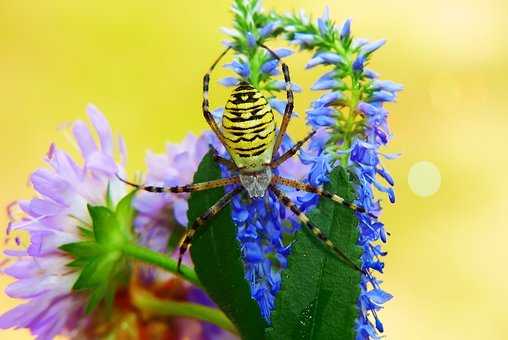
(139, 65)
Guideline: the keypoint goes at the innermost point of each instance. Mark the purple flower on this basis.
(52, 219)
(159, 214)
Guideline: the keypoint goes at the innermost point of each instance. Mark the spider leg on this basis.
(226, 162)
(314, 229)
(289, 106)
(186, 188)
(201, 221)
(319, 191)
(206, 110)
(294, 149)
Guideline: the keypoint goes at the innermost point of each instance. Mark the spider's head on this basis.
(256, 183)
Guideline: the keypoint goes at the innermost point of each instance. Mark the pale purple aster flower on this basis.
(158, 214)
(52, 219)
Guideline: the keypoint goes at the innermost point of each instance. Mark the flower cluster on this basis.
(352, 124)
(61, 221)
(58, 216)
(262, 223)
(160, 216)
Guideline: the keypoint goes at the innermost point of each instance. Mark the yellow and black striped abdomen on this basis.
(248, 125)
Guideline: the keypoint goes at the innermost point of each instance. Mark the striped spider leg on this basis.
(288, 111)
(201, 221)
(210, 213)
(278, 180)
(313, 228)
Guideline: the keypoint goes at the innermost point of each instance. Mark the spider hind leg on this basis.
(201, 221)
(314, 229)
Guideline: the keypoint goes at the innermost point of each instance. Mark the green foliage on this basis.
(100, 258)
(319, 291)
(217, 259)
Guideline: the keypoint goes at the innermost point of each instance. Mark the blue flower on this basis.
(328, 99)
(281, 85)
(270, 67)
(386, 85)
(357, 148)
(371, 47)
(303, 38)
(382, 96)
(345, 31)
(251, 40)
(326, 84)
(370, 74)
(239, 67)
(327, 58)
(229, 81)
(359, 62)
(283, 52)
(322, 21)
(268, 29)
(260, 232)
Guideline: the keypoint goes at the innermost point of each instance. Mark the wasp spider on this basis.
(248, 132)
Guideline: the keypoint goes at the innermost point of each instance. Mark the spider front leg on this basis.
(291, 152)
(288, 111)
(221, 160)
(186, 188)
(206, 105)
(314, 229)
(201, 221)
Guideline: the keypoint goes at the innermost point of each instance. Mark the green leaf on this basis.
(319, 291)
(98, 271)
(217, 259)
(106, 226)
(85, 249)
(95, 297)
(125, 213)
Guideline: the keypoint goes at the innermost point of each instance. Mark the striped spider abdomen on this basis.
(248, 125)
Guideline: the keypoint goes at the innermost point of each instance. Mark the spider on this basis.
(248, 133)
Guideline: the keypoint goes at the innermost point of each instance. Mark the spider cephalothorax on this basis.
(248, 132)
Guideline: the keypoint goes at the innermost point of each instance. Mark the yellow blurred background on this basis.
(142, 64)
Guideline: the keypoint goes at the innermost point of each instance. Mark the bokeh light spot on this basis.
(424, 178)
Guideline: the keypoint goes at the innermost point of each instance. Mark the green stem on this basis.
(149, 303)
(160, 260)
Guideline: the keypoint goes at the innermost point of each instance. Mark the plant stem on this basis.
(148, 303)
(160, 260)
